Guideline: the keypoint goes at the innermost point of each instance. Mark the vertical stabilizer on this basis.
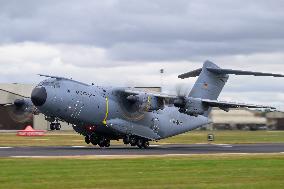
(208, 85)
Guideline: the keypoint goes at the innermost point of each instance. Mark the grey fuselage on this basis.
(106, 110)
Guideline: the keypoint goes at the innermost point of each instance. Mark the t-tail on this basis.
(210, 82)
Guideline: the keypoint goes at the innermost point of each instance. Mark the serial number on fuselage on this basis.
(85, 93)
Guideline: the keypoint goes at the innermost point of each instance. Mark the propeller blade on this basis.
(16, 107)
(18, 114)
(182, 90)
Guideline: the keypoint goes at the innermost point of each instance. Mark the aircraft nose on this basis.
(39, 96)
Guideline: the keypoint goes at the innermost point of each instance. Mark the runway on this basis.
(169, 149)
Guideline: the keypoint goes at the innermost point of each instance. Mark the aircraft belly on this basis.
(188, 124)
(169, 122)
(131, 128)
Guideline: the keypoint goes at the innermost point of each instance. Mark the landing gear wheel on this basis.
(133, 141)
(94, 140)
(140, 143)
(87, 139)
(146, 144)
(104, 142)
(107, 143)
(101, 142)
(52, 126)
(126, 140)
(57, 126)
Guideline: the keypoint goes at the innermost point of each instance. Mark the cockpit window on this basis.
(50, 82)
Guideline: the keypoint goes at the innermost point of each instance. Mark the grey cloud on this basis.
(149, 30)
(186, 50)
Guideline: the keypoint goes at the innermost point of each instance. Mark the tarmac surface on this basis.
(169, 149)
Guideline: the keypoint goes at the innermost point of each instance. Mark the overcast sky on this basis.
(127, 42)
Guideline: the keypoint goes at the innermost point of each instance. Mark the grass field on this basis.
(72, 138)
(200, 171)
(221, 171)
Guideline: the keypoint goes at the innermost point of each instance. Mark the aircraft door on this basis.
(155, 124)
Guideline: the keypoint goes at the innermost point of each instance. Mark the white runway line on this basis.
(154, 145)
(201, 143)
(222, 144)
(78, 146)
(5, 147)
(29, 156)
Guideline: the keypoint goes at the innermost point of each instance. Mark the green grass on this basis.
(72, 138)
(229, 137)
(210, 172)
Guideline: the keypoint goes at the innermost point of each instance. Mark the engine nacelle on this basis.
(194, 107)
(25, 105)
(190, 106)
(147, 103)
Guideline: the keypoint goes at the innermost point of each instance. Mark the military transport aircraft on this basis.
(102, 114)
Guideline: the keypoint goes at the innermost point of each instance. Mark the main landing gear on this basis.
(97, 140)
(103, 141)
(136, 141)
(55, 126)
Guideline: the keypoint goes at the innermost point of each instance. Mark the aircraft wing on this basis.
(6, 104)
(16, 94)
(225, 105)
(131, 91)
(52, 76)
(212, 103)
(14, 97)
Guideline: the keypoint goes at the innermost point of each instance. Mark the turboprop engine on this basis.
(190, 106)
(146, 103)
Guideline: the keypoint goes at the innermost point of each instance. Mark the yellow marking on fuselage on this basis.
(104, 121)
(148, 104)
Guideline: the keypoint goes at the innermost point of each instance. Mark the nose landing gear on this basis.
(87, 139)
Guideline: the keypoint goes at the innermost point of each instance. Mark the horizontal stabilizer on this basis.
(193, 73)
(240, 72)
(211, 67)
(224, 104)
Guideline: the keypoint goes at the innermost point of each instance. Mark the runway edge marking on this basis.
(144, 156)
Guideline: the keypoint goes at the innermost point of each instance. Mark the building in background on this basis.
(10, 117)
(275, 120)
(241, 118)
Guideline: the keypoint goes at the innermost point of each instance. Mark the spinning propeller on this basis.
(18, 107)
(182, 92)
